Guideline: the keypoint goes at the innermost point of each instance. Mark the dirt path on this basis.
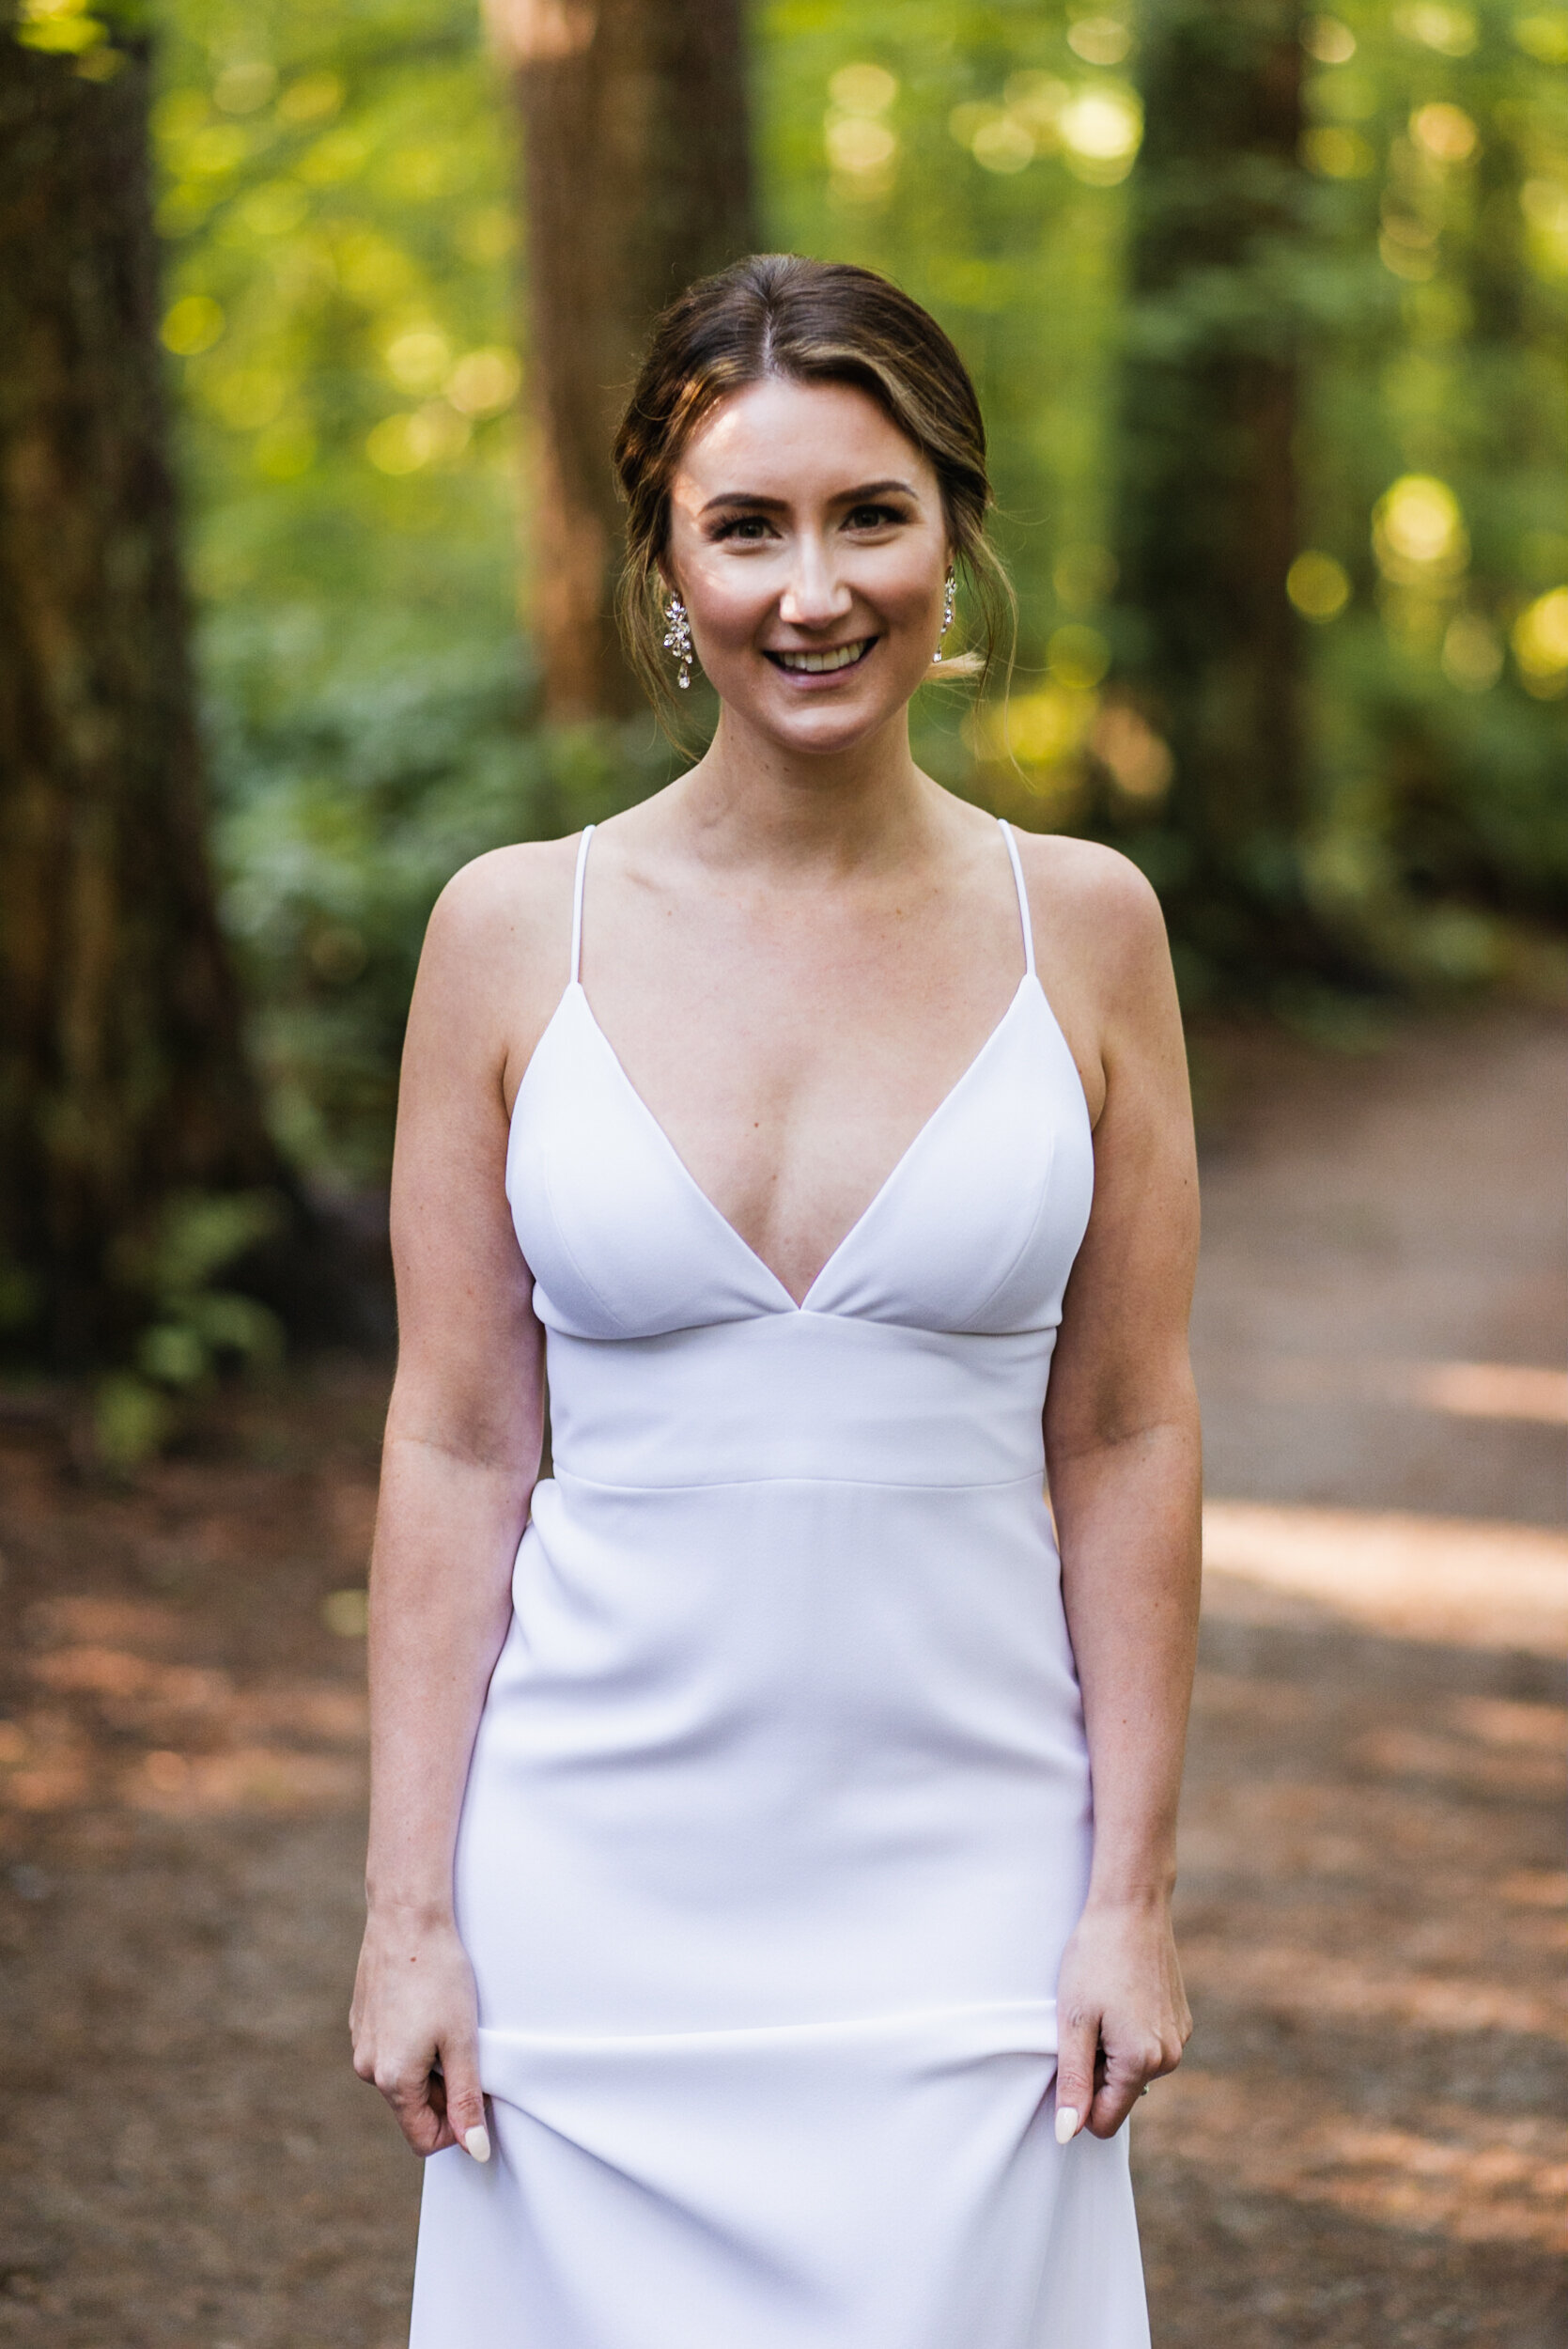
(1364, 2149)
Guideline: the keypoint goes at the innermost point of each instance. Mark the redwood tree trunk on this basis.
(122, 1077)
(636, 179)
(1207, 525)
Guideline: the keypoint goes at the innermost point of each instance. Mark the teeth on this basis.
(815, 662)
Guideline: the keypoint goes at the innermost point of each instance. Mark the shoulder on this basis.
(1103, 958)
(497, 949)
(1085, 880)
(508, 895)
(1094, 903)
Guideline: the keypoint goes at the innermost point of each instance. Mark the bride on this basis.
(773, 1824)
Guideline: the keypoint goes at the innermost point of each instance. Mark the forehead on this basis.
(782, 440)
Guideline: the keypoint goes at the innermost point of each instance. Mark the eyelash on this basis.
(746, 525)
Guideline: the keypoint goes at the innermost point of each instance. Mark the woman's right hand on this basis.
(415, 2027)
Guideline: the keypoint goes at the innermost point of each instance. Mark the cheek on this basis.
(923, 587)
(728, 603)
(908, 590)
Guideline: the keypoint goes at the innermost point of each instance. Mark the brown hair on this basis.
(808, 322)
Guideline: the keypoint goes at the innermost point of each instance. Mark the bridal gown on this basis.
(778, 1813)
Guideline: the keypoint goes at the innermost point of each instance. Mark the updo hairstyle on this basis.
(775, 315)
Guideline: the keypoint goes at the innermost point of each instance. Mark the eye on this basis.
(873, 517)
(751, 526)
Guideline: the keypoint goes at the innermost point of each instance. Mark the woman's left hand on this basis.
(1121, 2014)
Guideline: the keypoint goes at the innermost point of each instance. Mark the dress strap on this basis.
(1023, 895)
(577, 903)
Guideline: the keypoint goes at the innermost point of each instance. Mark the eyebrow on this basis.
(753, 504)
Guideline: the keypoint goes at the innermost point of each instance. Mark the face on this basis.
(809, 546)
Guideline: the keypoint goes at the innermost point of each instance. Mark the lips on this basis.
(823, 663)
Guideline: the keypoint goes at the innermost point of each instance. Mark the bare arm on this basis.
(462, 1450)
(1123, 1457)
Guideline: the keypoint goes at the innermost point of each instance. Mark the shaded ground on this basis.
(1365, 2149)
(1367, 1222)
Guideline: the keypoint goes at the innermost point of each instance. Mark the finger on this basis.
(415, 2109)
(1127, 2071)
(1172, 2049)
(464, 2097)
(1078, 2030)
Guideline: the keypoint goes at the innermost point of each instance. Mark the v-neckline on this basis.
(802, 1304)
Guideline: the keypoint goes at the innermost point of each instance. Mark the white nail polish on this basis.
(1067, 2122)
(477, 2142)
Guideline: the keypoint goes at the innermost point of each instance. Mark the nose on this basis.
(814, 597)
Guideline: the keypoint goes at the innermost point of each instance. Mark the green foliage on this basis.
(1422, 291)
(337, 192)
(975, 155)
(189, 1328)
(79, 29)
(338, 200)
(359, 770)
(1436, 295)
(335, 195)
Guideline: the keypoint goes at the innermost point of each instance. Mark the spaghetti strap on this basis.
(577, 905)
(1023, 897)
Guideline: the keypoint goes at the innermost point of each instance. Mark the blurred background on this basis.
(312, 326)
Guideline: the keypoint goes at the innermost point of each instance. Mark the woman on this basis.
(735, 1893)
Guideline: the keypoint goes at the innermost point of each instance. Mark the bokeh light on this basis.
(192, 325)
(1450, 31)
(1417, 532)
(1078, 656)
(863, 89)
(1318, 586)
(244, 85)
(419, 358)
(1329, 40)
(1540, 640)
(1099, 39)
(861, 147)
(1336, 153)
(64, 27)
(1543, 36)
(1102, 129)
(484, 383)
(1443, 131)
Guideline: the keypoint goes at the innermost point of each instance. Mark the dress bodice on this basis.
(974, 1230)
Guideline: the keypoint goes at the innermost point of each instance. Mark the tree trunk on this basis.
(636, 179)
(1207, 510)
(122, 1077)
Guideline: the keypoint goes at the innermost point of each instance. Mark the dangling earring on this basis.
(949, 597)
(678, 640)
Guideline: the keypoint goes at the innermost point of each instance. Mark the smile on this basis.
(816, 664)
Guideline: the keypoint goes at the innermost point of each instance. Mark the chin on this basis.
(826, 733)
(822, 724)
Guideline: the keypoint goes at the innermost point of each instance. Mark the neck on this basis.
(752, 801)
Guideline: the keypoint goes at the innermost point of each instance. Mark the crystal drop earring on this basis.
(950, 597)
(678, 640)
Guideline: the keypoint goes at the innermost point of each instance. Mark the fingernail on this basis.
(477, 2141)
(1067, 2122)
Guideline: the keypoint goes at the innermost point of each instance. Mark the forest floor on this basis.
(1366, 2148)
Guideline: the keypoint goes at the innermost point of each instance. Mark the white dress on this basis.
(778, 1813)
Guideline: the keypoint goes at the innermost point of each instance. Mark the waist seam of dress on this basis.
(789, 1316)
(889, 2019)
(866, 1484)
